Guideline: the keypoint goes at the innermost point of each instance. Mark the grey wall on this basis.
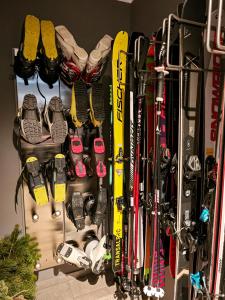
(88, 20)
(147, 15)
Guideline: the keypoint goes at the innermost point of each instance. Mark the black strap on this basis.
(18, 185)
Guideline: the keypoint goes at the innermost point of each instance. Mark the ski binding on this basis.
(99, 150)
(76, 153)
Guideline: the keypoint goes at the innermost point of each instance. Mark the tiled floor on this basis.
(67, 287)
(79, 287)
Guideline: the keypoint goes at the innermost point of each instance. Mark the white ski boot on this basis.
(96, 251)
(97, 56)
(71, 51)
(73, 255)
(97, 59)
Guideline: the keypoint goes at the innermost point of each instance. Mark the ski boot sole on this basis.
(79, 104)
(60, 178)
(96, 99)
(78, 210)
(39, 189)
(58, 128)
(30, 126)
(48, 39)
(31, 37)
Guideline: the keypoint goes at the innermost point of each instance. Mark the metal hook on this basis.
(137, 47)
(165, 20)
(218, 29)
(119, 60)
(182, 21)
(208, 31)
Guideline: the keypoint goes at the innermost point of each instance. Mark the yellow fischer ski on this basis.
(119, 58)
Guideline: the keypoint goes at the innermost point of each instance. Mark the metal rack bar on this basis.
(208, 31)
(182, 21)
(219, 27)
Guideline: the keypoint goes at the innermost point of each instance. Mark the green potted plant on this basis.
(18, 257)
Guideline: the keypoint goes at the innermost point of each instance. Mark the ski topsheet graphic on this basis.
(119, 60)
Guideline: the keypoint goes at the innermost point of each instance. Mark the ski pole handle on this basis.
(160, 88)
(159, 95)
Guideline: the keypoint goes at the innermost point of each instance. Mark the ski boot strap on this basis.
(96, 100)
(101, 207)
(79, 104)
(78, 210)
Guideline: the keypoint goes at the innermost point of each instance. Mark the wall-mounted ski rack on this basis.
(167, 22)
(170, 66)
(220, 49)
(48, 223)
(219, 27)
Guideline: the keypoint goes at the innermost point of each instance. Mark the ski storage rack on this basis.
(48, 224)
(218, 48)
